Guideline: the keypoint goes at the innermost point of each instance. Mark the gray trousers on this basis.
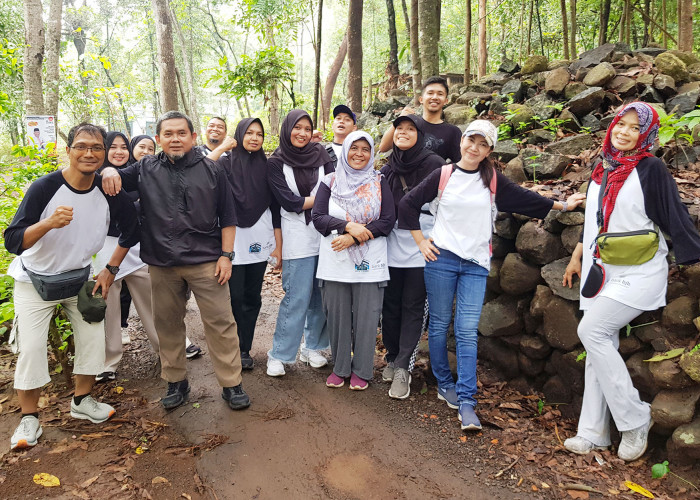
(352, 311)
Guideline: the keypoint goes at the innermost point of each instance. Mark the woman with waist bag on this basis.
(639, 198)
(354, 212)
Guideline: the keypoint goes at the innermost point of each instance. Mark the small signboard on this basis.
(41, 130)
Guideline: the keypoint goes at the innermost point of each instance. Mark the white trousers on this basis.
(139, 283)
(608, 385)
(30, 332)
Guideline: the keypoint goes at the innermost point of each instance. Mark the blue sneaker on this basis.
(449, 396)
(466, 415)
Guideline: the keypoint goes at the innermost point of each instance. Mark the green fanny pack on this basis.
(628, 249)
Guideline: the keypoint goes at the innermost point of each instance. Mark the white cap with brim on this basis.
(484, 128)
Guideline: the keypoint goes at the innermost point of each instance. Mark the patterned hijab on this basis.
(620, 164)
(358, 192)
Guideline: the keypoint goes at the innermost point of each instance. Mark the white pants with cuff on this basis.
(30, 333)
(608, 385)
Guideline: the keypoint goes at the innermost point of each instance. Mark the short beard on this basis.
(174, 158)
(214, 141)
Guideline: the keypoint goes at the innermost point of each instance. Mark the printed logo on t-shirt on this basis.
(255, 248)
(433, 143)
(362, 267)
(620, 281)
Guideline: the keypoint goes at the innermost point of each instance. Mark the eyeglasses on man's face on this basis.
(83, 148)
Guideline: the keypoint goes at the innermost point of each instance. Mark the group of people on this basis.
(358, 247)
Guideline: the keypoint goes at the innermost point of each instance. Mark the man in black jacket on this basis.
(188, 230)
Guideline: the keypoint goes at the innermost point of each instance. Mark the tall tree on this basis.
(317, 69)
(53, 48)
(416, 69)
(468, 43)
(33, 57)
(685, 25)
(392, 68)
(355, 55)
(482, 38)
(332, 77)
(166, 56)
(429, 36)
(564, 28)
(572, 49)
(186, 57)
(604, 21)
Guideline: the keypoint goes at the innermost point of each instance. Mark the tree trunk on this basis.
(647, 26)
(355, 55)
(685, 25)
(572, 32)
(539, 25)
(392, 68)
(428, 37)
(166, 56)
(564, 28)
(317, 70)
(154, 72)
(482, 38)
(468, 43)
(664, 24)
(529, 27)
(604, 21)
(53, 46)
(33, 57)
(189, 75)
(416, 69)
(521, 25)
(406, 20)
(332, 78)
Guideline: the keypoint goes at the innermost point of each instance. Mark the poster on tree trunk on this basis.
(41, 130)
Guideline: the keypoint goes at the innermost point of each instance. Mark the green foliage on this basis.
(540, 406)
(581, 356)
(64, 327)
(659, 471)
(629, 328)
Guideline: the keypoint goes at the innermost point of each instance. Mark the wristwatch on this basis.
(230, 255)
(565, 208)
(112, 269)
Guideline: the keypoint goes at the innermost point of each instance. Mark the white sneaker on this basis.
(581, 446)
(26, 434)
(634, 442)
(314, 358)
(125, 338)
(275, 368)
(91, 410)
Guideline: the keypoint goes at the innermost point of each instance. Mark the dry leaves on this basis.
(46, 480)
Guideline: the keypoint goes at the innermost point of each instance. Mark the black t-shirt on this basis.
(442, 138)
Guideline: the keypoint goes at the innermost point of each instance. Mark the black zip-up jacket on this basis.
(184, 205)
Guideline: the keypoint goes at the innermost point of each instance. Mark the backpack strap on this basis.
(445, 174)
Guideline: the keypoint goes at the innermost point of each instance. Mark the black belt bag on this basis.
(59, 286)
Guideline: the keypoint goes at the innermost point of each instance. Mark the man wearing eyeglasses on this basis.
(61, 222)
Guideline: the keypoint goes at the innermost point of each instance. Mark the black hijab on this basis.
(304, 161)
(413, 164)
(135, 141)
(247, 173)
(109, 140)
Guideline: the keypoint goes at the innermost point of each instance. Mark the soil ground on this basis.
(303, 440)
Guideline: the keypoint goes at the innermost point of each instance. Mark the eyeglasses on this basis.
(94, 149)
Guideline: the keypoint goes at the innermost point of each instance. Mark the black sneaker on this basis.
(178, 394)
(247, 362)
(105, 377)
(236, 397)
(193, 351)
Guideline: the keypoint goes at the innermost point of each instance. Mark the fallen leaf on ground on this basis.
(578, 494)
(186, 496)
(494, 441)
(433, 416)
(47, 480)
(159, 480)
(463, 439)
(638, 489)
(66, 446)
(118, 390)
(88, 482)
(95, 435)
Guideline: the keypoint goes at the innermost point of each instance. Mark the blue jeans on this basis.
(301, 311)
(448, 275)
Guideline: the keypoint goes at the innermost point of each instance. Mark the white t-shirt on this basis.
(254, 244)
(338, 266)
(641, 287)
(300, 239)
(402, 249)
(132, 262)
(465, 193)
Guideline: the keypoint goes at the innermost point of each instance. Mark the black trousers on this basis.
(246, 285)
(402, 314)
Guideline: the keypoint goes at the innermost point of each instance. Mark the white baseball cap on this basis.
(485, 128)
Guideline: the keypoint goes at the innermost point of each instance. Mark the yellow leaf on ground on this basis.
(159, 480)
(47, 480)
(494, 441)
(140, 450)
(119, 389)
(638, 489)
(463, 439)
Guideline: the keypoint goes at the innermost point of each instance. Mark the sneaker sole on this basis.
(646, 445)
(82, 416)
(404, 396)
(23, 443)
(193, 356)
(276, 374)
(305, 359)
(442, 398)
(335, 386)
(247, 367)
(579, 452)
(185, 399)
(241, 406)
(470, 427)
(387, 379)
(358, 387)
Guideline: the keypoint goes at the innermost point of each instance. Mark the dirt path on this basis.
(303, 440)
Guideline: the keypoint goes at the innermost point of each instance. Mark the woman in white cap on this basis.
(458, 254)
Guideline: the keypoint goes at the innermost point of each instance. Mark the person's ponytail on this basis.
(486, 170)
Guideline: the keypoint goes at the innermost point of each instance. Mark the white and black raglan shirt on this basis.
(648, 198)
(70, 247)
